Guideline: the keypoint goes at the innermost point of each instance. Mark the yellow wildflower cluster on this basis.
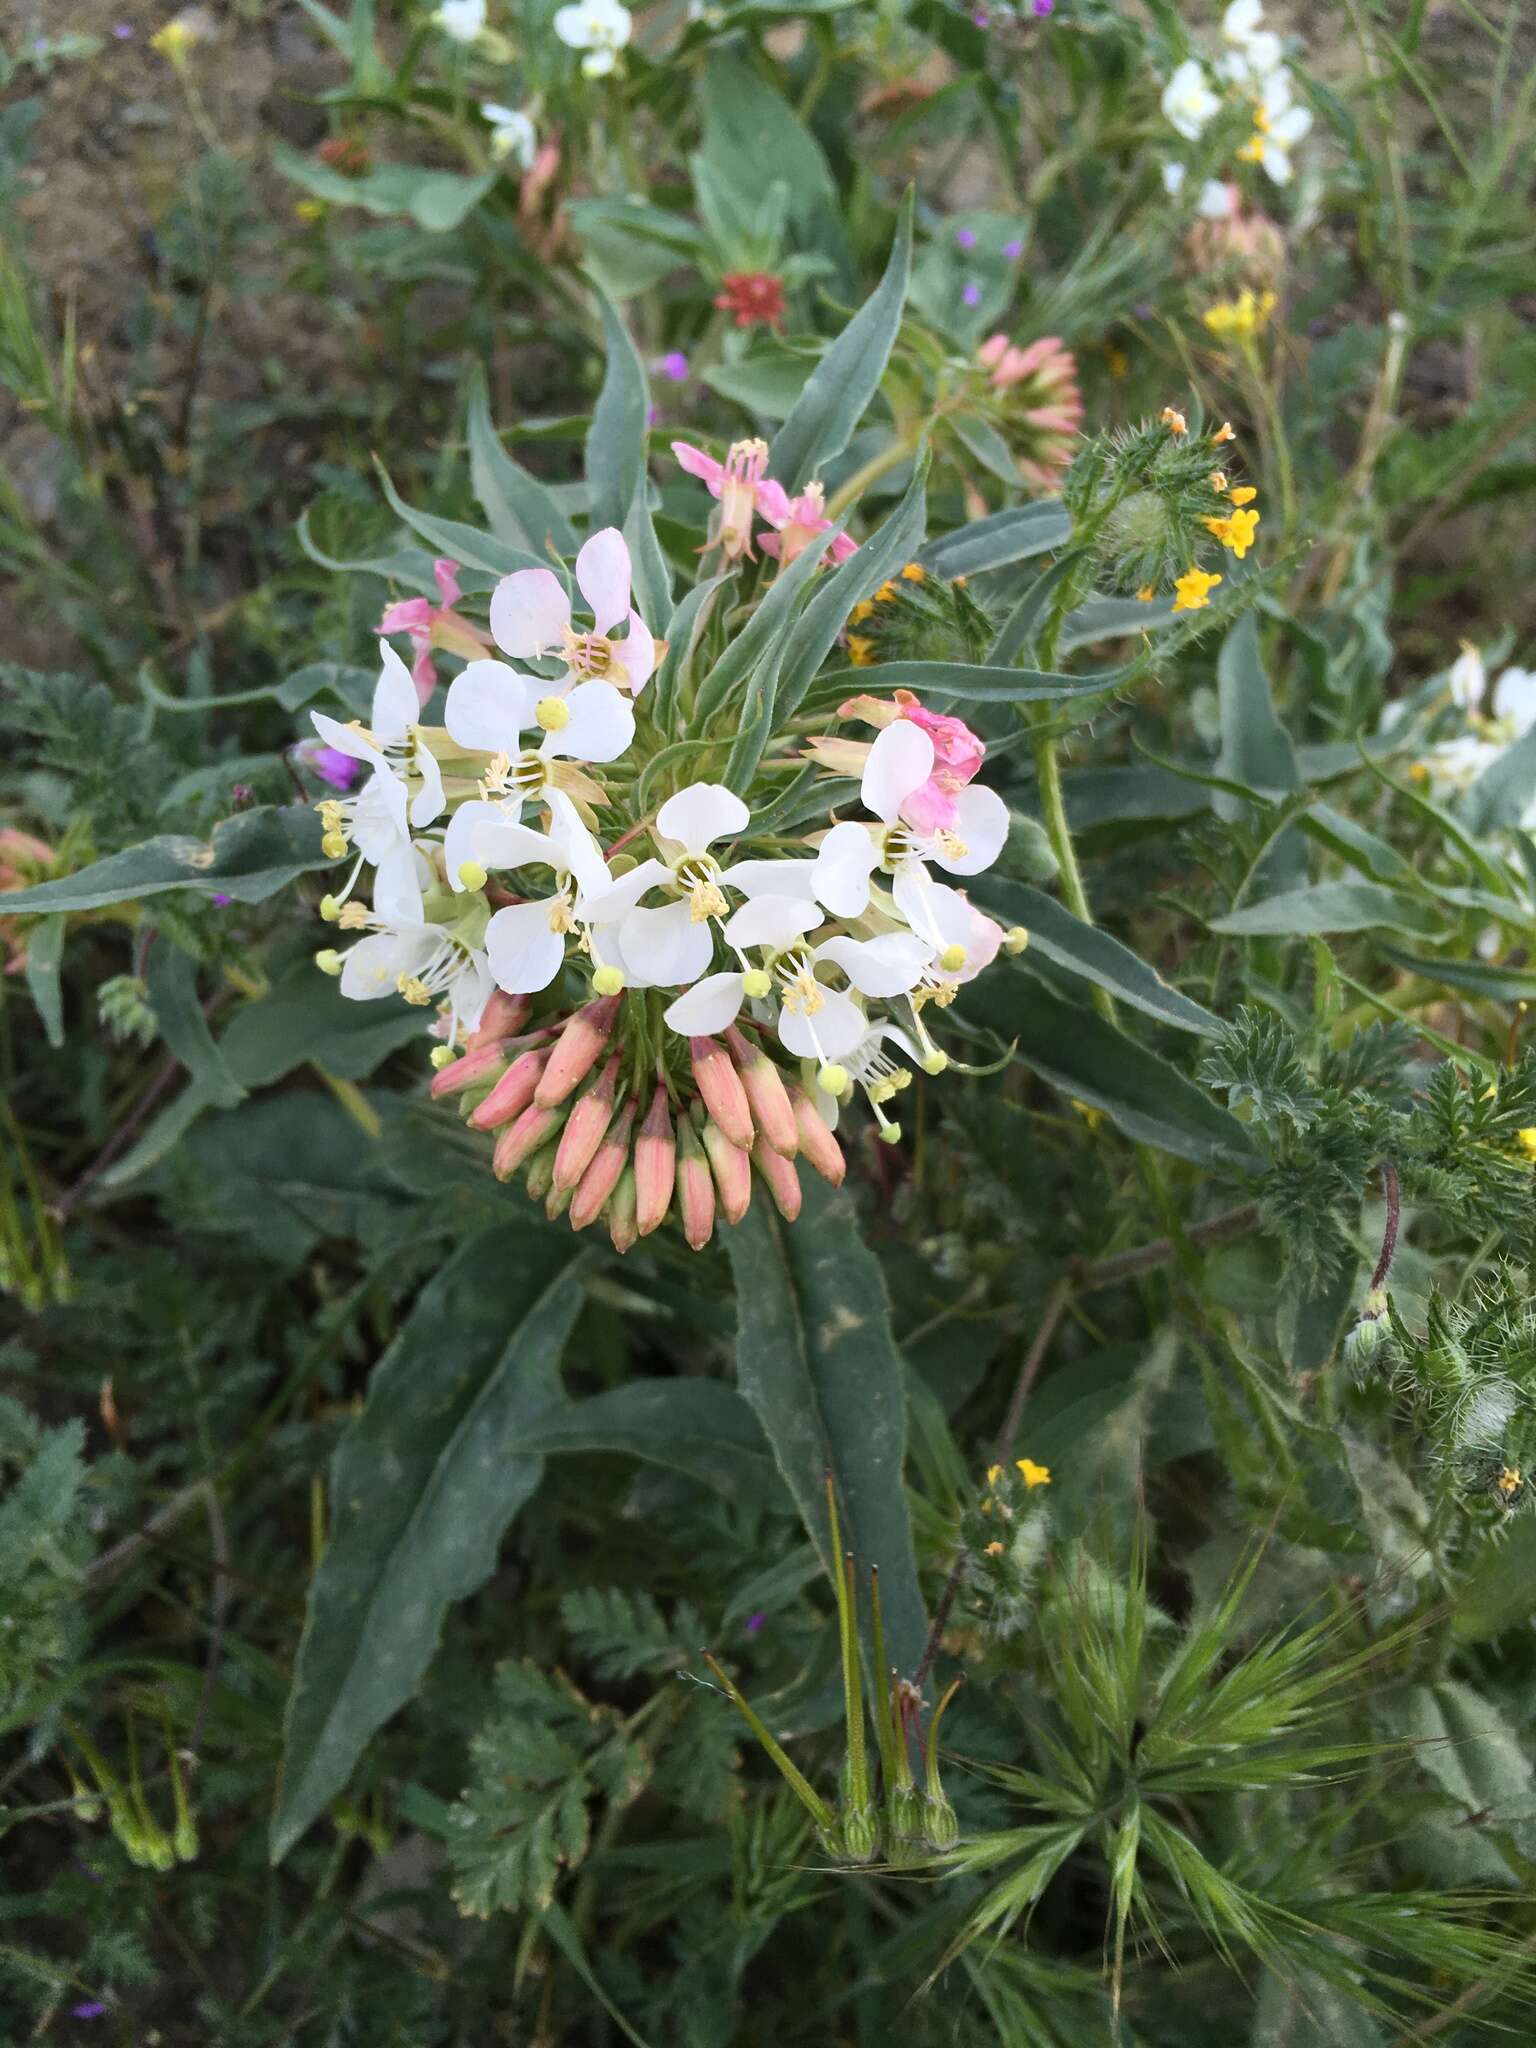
(1241, 318)
(861, 649)
(1192, 590)
(1236, 529)
(1525, 1139)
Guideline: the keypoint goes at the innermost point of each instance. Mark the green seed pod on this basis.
(861, 1834)
(940, 1826)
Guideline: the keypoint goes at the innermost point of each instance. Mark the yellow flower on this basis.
(1508, 1480)
(1146, 594)
(173, 41)
(885, 593)
(1240, 318)
(310, 209)
(994, 1550)
(1173, 420)
(994, 1473)
(1243, 494)
(1526, 1140)
(1223, 433)
(914, 572)
(1235, 532)
(861, 652)
(861, 611)
(1034, 1475)
(1192, 590)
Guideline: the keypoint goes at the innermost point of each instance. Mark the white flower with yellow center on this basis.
(531, 617)
(1188, 100)
(491, 707)
(670, 945)
(513, 135)
(405, 953)
(526, 942)
(599, 27)
(377, 820)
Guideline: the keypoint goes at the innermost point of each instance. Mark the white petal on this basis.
(1291, 127)
(835, 1029)
(346, 739)
(900, 761)
(427, 803)
(624, 892)
(396, 886)
(378, 817)
(396, 706)
(935, 912)
(664, 948)
(706, 1008)
(576, 851)
(483, 832)
(470, 991)
(981, 824)
(373, 967)
(699, 815)
(1514, 698)
(636, 654)
(602, 575)
(775, 921)
(529, 612)
(772, 877)
(844, 862)
(601, 725)
(525, 955)
(489, 707)
(886, 966)
(1468, 679)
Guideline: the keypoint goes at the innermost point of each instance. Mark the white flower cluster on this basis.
(490, 871)
(1253, 66)
(1453, 765)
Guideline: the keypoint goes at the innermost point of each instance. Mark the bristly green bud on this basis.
(918, 616)
(1365, 1339)
(122, 1004)
(1143, 498)
(905, 1815)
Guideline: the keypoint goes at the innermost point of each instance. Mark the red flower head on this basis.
(756, 297)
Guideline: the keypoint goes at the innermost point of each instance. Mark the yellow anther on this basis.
(552, 713)
(832, 1078)
(607, 981)
(952, 959)
(756, 984)
(1015, 939)
(330, 909)
(333, 846)
(472, 874)
(935, 1060)
(443, 1056)
(890, 1133)
(328, 962)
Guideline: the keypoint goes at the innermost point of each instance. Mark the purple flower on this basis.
(754, 1622)
(329, 763)
(221, 901)
(1013, 251)
(92, 2009)
(972, 293)
(652, 415)
(1045, 7)
(981, 20)
(123, 31)
(673, 365)
(966, 237)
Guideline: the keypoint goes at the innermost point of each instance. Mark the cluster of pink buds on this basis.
(597, 1142)
(1036, 389)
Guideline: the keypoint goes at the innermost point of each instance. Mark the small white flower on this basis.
(512, 134)
(671, 945)
(461, 19)
(1467, 677)
(491, 706)
(1514, 700)
(531, 617)
(1254, 61)
(1240, 23)
(600, 27)
(525, 942)
(405, 955)
(1188, 101)
(1279, 126)
(1218, 200)
(1173, 179)
(378, 818)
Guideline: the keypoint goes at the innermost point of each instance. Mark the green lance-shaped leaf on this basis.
(422, 1487)
(452, 537)
(816, 1359)
(1330, 907)
(838, 390)
(45, 956)
(976, 681)
(760, 642)
(1255, 747)
(1002, 537)
(616, 438)
(436, 200)
(172, 984)
(249, 857)
(521, 510)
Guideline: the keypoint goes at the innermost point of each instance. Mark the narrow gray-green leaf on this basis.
(1004, 537)
(520, 509)
(693, 1426)
(172, 987)
(45, 954)
(453, 538)
(816, 1359)
(765, 631)
(978, 681)
(616, 438)
(1256, 749)
(841, 386)
(435, 200)
(249, 857)
(423, 1486)
(1329, 907)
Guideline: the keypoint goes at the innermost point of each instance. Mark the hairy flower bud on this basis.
(577, 1050)
(766, 1095)
(859, 1827)
(503, 1017)
(602, 1176)
(721, 1092)
(512, 1093)
(655, 1165)
(584, 1130)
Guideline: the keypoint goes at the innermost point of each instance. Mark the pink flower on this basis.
(797, 521)
(738, 483)
(1038, 386)
(957, 755)
(433, 625)
(531, 617)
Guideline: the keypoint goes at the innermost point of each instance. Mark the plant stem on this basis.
(891, 457)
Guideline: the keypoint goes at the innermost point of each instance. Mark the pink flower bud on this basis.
(602, 1176)
(732, 1171)
(655, 1166)
(503, 1017)
(584, 1131)
(695, 1188)
(622, 1220)
(473, 1070)
(765, 1093)
(520, 1140)
(541, 1174)
(512, 1093)
(577, 1050)
(783, 1181)
(817, 1144)
(720, 1088)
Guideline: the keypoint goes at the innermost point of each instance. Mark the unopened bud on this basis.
(720, 1089)
(328, 962)
(541, 1173)
(623, 1224)
(939, 1823)
(521, 1139)
(860, 1830)
(511, 1094)
(695, 1188)
(655, 1166)
(468, 1072)
(503, 1017)
(779, 1173)
(577, 1050)
(732, 1170)
(817, 1144)
(472, 874)
(588, 1122)
(602, 1176)
(767, 1097)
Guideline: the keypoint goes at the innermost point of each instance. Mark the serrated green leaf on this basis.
(248, 857)
(422, 1488)
(816, 1359)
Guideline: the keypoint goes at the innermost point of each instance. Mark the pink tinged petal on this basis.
(929, 809)
(842, 547)
(664, 948)
(886, 966)
(900, 761)
(772, 921)
(771, 877)
(603, 906)
(601, 725)
(602, 575)
(697, 463)
(771, 545)
(985, 943)
(699, 815)
(529, 612)
(525, 955)
(447, 573)
(707, 1007)
(981, 824)
(346, 739)
(842, 867)
(773, 502)
(935, 912)
(423, 676)
(636, 654)
(395, 703)
(489, 707)
(835, 1029)
(407, 615)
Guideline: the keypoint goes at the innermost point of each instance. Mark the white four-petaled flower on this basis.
(599, 27)
(512, 134)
